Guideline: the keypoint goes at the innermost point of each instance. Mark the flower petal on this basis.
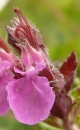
(5, 78)
(30, 98)
(29, 56)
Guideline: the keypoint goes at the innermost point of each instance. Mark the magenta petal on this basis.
(30, 98)
(39, 67)
(5, 78)
(4, 65)
(4, 106)
(30, 56)
(25, 57)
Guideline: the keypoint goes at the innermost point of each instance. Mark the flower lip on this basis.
(33, 102)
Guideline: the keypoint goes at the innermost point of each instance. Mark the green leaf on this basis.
(77, 100)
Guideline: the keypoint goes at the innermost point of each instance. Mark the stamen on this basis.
(22, 19)
(16, 32)
(20, 30)
(16, 10)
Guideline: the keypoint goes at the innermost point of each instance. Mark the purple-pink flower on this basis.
(27, 83)
(30, 97)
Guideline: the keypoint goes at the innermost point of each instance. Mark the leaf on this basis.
(47, 126)
(69, 66)
(77, 100)
(68, 69)
(69, 82)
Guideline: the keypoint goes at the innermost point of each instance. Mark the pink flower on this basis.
(31, 78)
(27, 40)
(30, 97)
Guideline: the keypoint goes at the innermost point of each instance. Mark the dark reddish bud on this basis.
(68, 69)
(62, 106)
(69, 65)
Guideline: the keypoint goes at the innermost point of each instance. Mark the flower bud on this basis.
(62, 106)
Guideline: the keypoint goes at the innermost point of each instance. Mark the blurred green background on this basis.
(59, 25)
